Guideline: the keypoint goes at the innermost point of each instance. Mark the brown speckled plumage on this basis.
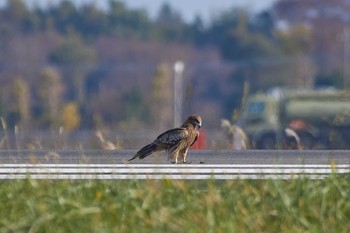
(175, 141)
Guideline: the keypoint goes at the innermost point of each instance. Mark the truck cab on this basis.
(260, 122)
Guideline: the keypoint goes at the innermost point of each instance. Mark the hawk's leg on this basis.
(184, 155)
(178, 160)
(180, 156)
(176, 156)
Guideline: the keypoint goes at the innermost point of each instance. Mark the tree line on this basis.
(84, 67)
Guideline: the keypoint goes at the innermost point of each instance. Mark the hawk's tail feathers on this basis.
(145, 151)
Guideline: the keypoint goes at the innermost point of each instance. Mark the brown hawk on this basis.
(175, 141)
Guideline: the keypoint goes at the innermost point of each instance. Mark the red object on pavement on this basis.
(200, 144)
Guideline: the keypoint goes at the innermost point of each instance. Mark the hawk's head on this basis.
(194, 120)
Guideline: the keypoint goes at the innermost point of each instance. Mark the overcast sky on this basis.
(188, 8)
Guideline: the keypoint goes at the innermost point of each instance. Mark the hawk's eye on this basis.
(197, 123)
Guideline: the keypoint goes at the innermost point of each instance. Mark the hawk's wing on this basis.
(172, 137)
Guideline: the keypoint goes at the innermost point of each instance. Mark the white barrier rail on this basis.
(172, 171)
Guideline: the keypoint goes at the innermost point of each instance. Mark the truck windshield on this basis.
(256, 108)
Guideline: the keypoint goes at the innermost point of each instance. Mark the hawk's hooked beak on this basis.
(198, 124)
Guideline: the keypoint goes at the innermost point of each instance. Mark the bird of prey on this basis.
(175, 141)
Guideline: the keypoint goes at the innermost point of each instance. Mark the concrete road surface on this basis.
(195, 157)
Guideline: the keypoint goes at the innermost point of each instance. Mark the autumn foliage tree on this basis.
(70, 117)
(75, 58)
(161, 97)
(50, 93)
(21, 94)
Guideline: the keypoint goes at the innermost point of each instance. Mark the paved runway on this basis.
(102, 164)
(195, 157)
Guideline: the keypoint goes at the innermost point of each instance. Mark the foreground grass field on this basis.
(299, 205)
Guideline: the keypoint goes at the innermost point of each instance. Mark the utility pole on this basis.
(178, 67)
(346, 54)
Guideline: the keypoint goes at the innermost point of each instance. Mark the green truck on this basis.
(321, 118)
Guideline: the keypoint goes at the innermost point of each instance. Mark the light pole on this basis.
(346, 38)
(178, 67)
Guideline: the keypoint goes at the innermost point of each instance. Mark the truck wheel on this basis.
(307, 141)
(345, 131)
(267, 142)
